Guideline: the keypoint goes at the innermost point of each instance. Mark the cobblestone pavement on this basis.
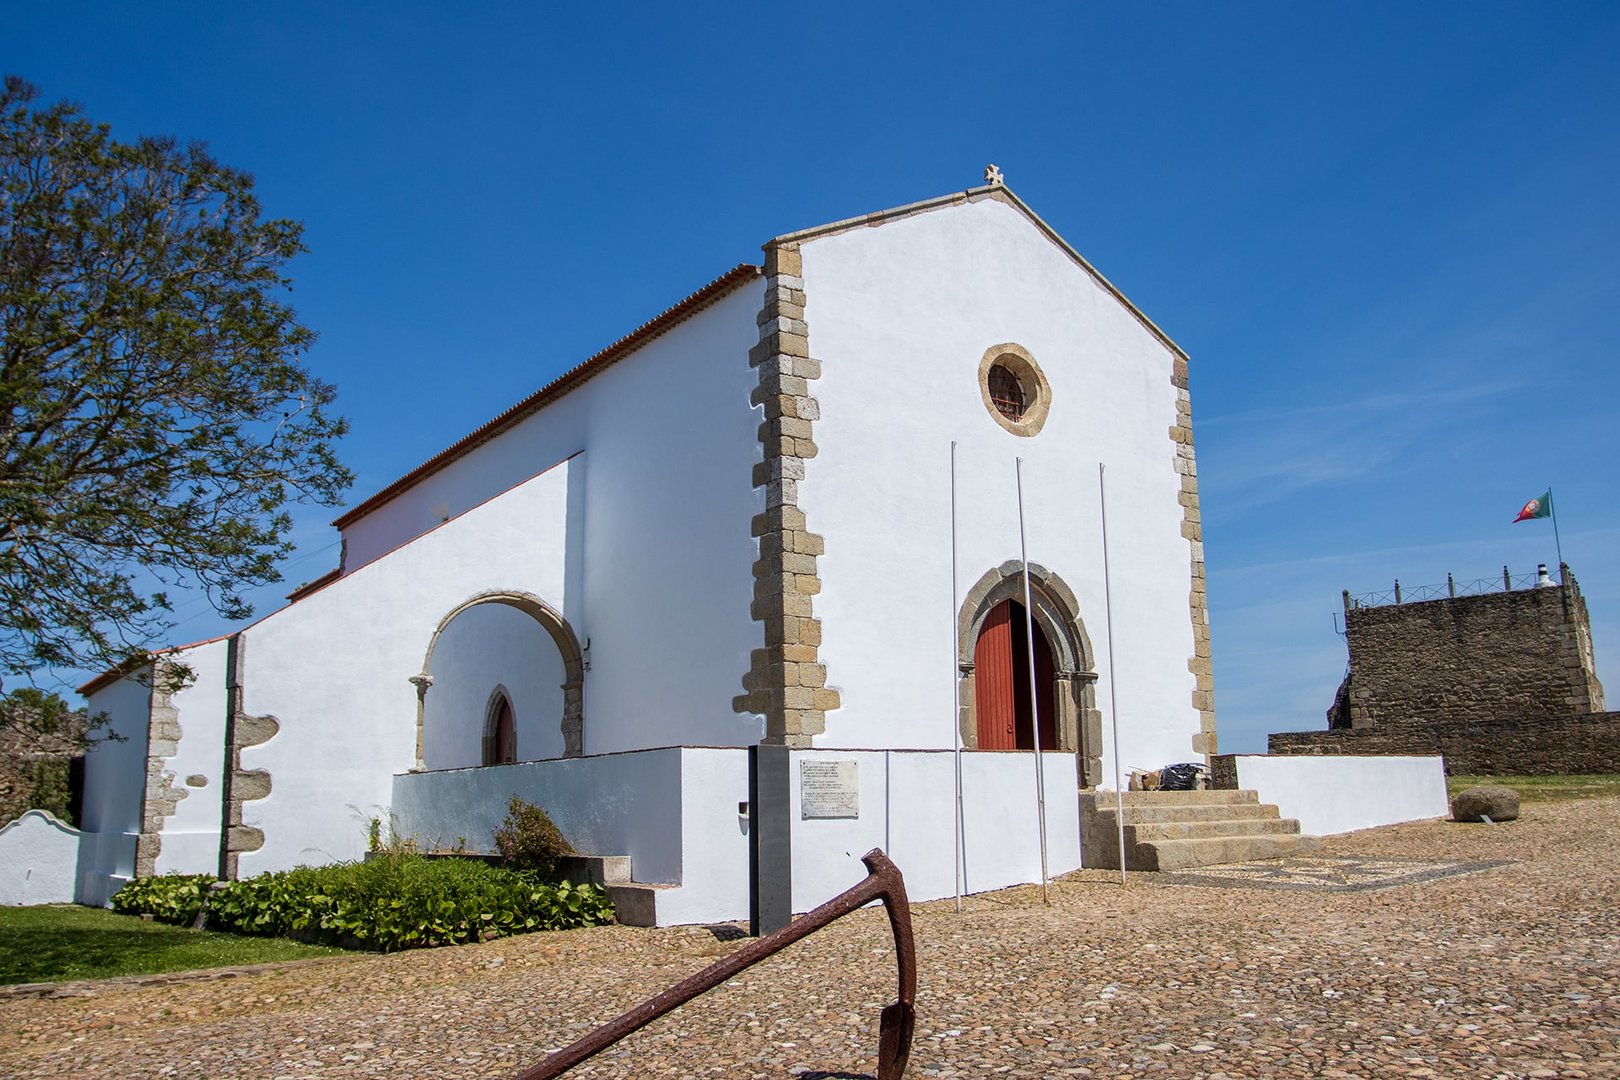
(1511, 970)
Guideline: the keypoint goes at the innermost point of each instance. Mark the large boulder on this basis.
(1485, 801)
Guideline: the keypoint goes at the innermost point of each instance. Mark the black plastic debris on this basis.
(1184, 777)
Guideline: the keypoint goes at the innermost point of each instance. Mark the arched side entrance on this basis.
(1076, 724)
(572, 723)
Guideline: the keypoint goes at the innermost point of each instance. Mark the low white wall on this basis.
(1329, 794)
(907, 807)
(39, 860)
(672, 810)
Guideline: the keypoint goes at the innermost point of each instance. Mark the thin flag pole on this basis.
(1113, 693)
(1029, 648)
(1552, 507)
(956, 689)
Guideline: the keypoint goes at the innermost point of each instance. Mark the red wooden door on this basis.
(505, 734)
(1001, 692)
(994, 697)
(1044, 680)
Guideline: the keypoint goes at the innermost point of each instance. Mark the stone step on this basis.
(1182, 798)
(635, 904)
(595, 869)
(1206, 830)
(1167, 830)
(1181, 854)
(1144, 814)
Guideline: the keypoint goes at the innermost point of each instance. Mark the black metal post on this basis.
(770, 839)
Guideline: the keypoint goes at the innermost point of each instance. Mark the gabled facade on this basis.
(732, 527)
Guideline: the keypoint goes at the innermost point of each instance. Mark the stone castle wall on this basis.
(1491, 746)
(1525, 653)
(1499, 683)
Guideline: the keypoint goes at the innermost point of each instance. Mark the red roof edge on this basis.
(105, 679)
(315, 584)
(112, 675)
(641, 335)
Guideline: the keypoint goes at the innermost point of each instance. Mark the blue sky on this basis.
(1384, 232)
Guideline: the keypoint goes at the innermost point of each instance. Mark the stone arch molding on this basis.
(552, 621)
(1057, 612)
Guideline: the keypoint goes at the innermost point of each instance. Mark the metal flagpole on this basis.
(1029, 648)
(1113, 695)
(956, 689)
(1552, 508)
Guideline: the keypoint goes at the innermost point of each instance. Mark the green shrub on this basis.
(404, 902)
(529, 840)
(172, 898)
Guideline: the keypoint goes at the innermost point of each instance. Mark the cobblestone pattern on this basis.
(1200, 663)
(1508, 972)
(1524, 653)
(786, 681)
(161, 795)
(1515, 746)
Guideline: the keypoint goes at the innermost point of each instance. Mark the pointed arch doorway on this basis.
(1066, 675)
(1002, 697)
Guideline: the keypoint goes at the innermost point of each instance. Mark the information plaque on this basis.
(829, 789)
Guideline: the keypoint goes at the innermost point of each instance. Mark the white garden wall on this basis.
(907, 808)
(673, 811)
(901, 316)
(39, 860)
(1330, 794)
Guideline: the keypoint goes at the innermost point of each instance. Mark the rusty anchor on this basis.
(883, 882)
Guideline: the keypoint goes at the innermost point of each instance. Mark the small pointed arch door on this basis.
(500, 738)
(1001, 687)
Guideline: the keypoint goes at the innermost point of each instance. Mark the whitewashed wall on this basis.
(900, 316)
(333, 668)
(673, 811)
(1341, 794)
(39, 859)
(114, 786)
(190, 842)
(664, 512)
(484, 647)
(907, 808)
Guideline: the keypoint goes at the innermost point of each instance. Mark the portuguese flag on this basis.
(1539, 507)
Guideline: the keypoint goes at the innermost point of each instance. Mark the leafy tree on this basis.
(39, 734)
(155, 419)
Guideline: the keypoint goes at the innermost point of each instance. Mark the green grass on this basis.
(1543, 788)
(53, 942)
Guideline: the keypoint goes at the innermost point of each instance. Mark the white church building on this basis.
(736, 525)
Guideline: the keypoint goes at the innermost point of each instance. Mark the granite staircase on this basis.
(1174, 830)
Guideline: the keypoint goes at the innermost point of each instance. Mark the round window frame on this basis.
(1016, 359)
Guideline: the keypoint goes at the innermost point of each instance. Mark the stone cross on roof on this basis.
(992, 176)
